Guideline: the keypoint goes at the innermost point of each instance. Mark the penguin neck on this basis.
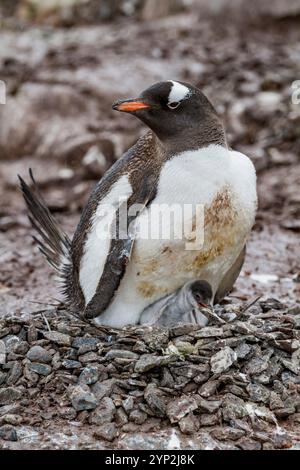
(208, 130)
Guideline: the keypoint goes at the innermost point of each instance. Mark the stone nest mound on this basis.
(235, 385)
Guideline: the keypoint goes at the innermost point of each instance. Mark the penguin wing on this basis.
(120, 247)
(230, 277)
(152, 314)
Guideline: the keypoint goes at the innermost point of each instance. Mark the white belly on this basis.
(223, 185)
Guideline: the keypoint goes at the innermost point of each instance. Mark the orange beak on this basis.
(129, 106)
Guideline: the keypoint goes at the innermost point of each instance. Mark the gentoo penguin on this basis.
(182, 306)
(183, 165)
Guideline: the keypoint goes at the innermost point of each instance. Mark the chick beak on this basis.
(130, 106)
(203, 305)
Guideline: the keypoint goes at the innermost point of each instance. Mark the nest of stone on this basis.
(239, 381)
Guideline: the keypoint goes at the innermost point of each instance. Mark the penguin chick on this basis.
(185, 305)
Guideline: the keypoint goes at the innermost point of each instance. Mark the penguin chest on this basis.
(210, 241)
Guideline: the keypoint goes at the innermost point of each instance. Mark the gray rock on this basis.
(189, 424)
(275, 401)
(210, 406)
(256, 365)
(121, 417)
(8, 433)
(21, 348)
(89, 375)
(233, 408)
(87, 344)
(209, 388)
(13, 419)
(222, 360)
(285, 412)
(40, 369)
(10, 341)
(207, 419)
(10, 409)
(180, 407)
(258, 393)
(9, 395)
(107, 431)
(138, 416)
(68, 329)
(39, 354)
(249, 444)
(282, 440)
(89, 357)
(181, 329)
(157, 339)
(58, 338)
(14, 374)
(208, 332)
(227, 433)
(154, 401)
(69, 364)
(120, 353)
(32, 334)
(2, 377)
(243, 350)
(82, 398)
(147, 362)
(128, 404)
(104, 388)
(66, 412)
(104, 413)
(150, 361)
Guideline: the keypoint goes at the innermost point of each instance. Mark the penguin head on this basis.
(200, 294)
(170, 108)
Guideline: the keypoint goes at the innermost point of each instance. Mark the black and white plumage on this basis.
(183, 160)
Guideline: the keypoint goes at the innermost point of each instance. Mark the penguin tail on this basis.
(53, 243)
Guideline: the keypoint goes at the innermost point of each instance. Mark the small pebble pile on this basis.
(239, 381)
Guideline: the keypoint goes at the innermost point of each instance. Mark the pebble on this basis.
(107, 431)
(39, 354)
(138, 416)
(179, 407)
(154, 401)
(222, 360)
(227, 433)
(119, 353)
(104, 413)
(88, 357)
(14, 374)
(86, 343)
(104, 388)
(69, 364)
(89, 375)
(40, 369)
(58, 338)
(82, 398)
(8, 433)
(189, 424)
(128, 404)
(9, 395)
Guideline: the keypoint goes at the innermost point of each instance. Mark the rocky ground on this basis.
(58, 120)
(67, 384)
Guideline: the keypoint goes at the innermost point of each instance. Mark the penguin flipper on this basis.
(119, 254)
(230, 277)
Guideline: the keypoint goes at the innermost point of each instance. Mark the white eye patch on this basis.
(178, 92)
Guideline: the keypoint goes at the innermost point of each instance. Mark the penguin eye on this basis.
(174, 104)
